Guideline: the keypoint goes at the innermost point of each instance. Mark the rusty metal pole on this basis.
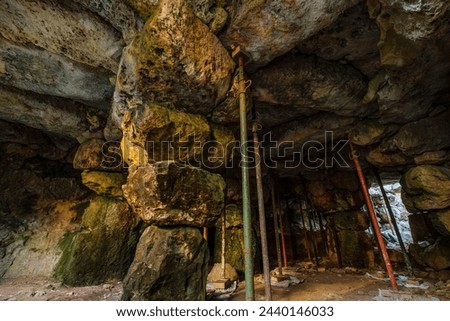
(394, 222)
(311, 231)
(275, 224)
(322, 233)
(373, 217)
(262, 215)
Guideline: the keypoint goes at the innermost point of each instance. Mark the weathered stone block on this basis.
(351, 220)
(103, 183)
(103, 248)
(426, 187)
(170, 264)
(169, 194)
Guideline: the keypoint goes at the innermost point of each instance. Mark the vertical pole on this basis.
(262, 215)
(283, 241)
(394, 222)
(205, 233)
(275, 224)
(373, 217)
(224, 226)
(248, 255)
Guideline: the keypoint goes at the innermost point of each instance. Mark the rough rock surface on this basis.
(171, 194)
(266, 30)
(97, 154)
(356, 249)
(336, 192)
(426, 187)
(164, 134)
(102, 249)
(441, 221)
(103, 183)
(162, 65)
(61, 29)
(429, 134)
(170, 264)
(50, 114)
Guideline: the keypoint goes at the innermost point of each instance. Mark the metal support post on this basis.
(373, 217)
(393, 220)
(248, 253)
(262, 215)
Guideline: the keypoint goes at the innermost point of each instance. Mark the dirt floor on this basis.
(312, 285)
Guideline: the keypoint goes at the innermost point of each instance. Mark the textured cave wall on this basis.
(86, 85)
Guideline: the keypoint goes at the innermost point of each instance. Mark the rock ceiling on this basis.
(378, 71)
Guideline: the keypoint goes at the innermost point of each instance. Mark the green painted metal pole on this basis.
(248, 255)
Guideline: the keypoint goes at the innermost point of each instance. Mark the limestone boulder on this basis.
(162, 64)
(351, 220)
(50, 114)
(266, 30)
(103, 183)
(97, 154)
(296, 134)
(118, 13)
(426, 187)
(436, 256)
(168, 194)
(425, 135)
(164, 133)
(432, 158)
(369, 132)
(382, 157)
(102, 249)
(441, 221)
(169, 264)
(352, 36)
(306, 82)
(31, 68)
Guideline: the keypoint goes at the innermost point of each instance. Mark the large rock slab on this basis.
(103, 183)
(118, 14)
(168, 194)
(353, 36)
(429, 134)
(169, 264)
(50, 114)
(61, 29)
(164, 134)
(174, 59)
(33, 69)
(97, 154)
(426, 187)
(103, 247)
(268, 29)
(305, 82)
